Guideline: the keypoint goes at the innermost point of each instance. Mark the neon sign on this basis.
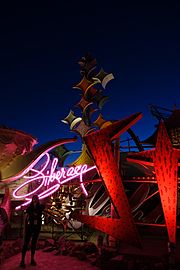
(49, 179)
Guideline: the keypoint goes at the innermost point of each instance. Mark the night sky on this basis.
(40, 45)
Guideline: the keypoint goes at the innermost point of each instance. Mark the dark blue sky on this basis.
(40, 45)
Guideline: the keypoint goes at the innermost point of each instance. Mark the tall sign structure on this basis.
(99, 161)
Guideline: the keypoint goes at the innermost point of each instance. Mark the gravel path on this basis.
(48, 261)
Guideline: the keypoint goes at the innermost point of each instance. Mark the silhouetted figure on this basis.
(32, 228)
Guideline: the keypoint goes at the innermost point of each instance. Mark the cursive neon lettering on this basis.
(49, 179)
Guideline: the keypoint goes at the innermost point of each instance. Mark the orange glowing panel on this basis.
(166, 169)
(112, 226)
(165, 159)
(99, 144)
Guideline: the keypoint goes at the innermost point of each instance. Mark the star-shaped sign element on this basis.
(104, 77)
(84, 85)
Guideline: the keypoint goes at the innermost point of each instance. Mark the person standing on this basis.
(33, 221)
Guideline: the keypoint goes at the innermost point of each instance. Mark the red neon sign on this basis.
(50, 178)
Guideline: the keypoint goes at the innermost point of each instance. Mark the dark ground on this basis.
(48, 261)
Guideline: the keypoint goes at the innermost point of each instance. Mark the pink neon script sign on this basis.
(49, 179)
